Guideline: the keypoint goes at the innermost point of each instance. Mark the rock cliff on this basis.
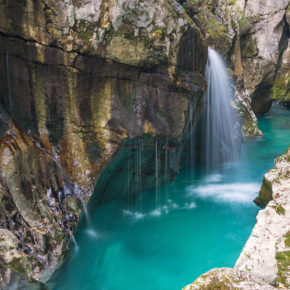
(78, 79)
(83, 83)
(266, 253)
(254, 38)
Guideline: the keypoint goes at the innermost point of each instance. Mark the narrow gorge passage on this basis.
(144, 145)
(201, 223)
(168, 236)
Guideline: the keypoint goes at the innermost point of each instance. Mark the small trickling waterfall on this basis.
(220, 143)
(139, 170)
(166, 165)
(156, 174)
(90, 231)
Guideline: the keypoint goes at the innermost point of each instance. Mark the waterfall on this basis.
(192, 144)
(139, 170)
(85, 209)
(191, 149)
(221, 126)
(166, 166)
(90, 231)
(156, 174)
(74, 242)
(129, 176)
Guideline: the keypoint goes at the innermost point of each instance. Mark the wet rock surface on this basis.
(35, 223)
(78, 79)
(254, 38)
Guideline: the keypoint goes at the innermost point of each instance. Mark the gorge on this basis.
(131, 154)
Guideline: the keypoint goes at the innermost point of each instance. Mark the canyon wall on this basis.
(82, 80)
(254, 38)
(77, 80)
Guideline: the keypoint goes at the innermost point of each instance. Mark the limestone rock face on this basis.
(218, 21)
(253, 36)
(78, 79)
(276, 180)
(36, 213)
(84, 105)
(137, 33)
(228, 279)
(266, 253)
(263, 47)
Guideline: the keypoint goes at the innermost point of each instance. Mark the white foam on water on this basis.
(172, 204)
(92, 233)
(156, 212)
(214, 177)
(190, 205)
(230, 192)
(134, 214)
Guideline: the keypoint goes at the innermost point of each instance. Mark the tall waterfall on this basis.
(221, 126)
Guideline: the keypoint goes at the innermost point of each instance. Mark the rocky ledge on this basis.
(227, 278)
(265, 260)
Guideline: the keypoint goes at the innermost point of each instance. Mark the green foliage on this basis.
(157, 32)
(16, 265)
(251, 48)
(214, 28)
(193, 3)
(280, 210)
(243, 20)
(287, 239)
(204, 11)
(281, 89)
(283, 263)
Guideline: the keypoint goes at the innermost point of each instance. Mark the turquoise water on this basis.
(194, 225)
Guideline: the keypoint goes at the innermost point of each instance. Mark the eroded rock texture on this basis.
(77, 80)
(228, 279)
(266, 253)
(254, 37)
(38, 208)
(264, 49)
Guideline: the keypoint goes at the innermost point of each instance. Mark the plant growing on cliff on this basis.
(157, 33)
(280, 210)
(243, 20)
(215, 29)
(281, 89)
